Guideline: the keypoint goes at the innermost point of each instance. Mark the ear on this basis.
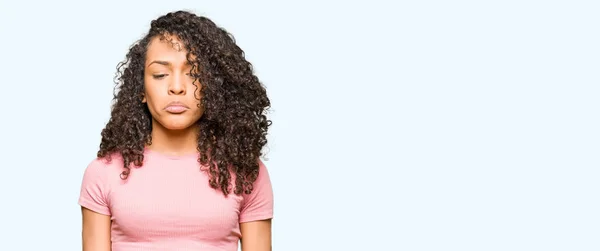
(143, 98)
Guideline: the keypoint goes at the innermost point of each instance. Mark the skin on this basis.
(95, 231)
(256, 235)
(167, 79)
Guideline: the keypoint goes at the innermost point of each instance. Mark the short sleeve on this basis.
(258, 205)
(93, 193)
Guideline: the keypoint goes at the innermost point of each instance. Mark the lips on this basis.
(176, 107)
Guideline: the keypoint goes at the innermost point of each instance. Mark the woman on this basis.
(178, 166)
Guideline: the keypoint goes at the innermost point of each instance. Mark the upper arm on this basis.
(95, 231)
(258, 205)
(256, 235)
(256, 214)
(95, 209)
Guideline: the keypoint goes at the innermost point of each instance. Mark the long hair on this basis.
(233, 128)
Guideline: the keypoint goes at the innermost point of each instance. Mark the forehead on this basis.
(167, 48)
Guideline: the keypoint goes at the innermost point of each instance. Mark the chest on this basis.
(153, 205)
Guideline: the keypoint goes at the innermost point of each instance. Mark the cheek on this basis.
(152, 100)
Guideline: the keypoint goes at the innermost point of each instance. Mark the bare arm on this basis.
(95, 231)
(256, 235)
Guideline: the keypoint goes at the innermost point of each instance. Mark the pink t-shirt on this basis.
(167, 204)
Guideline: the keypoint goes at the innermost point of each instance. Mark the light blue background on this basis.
(413, 125)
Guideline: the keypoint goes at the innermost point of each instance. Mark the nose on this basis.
(177, 85)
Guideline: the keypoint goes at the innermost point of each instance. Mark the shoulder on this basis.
(258, 205)
(262, 184)
(263, 172)
(110, 161)
(96, 184)
(102, 167)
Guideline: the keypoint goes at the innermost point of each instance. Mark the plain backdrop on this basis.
(399, 125)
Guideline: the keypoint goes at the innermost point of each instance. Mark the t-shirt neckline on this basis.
(154, 153)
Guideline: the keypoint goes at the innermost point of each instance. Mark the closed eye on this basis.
(159, 76)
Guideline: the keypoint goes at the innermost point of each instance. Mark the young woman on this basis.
(178, 166)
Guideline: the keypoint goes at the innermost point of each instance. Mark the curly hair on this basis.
(233, 127)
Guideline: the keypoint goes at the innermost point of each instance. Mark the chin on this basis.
(176, 122)
(176, 125)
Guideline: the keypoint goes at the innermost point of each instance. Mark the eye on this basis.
(159, 76)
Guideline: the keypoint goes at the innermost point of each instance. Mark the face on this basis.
(171, 93)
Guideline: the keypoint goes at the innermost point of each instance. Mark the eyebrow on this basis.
(159, 62)
(165, 63)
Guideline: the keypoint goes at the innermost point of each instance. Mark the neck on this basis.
(173, 142)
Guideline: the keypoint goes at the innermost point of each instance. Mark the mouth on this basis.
(176, 107)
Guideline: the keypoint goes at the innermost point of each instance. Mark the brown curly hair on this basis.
(233, 127)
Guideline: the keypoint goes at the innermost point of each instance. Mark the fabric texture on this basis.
(167, 204)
